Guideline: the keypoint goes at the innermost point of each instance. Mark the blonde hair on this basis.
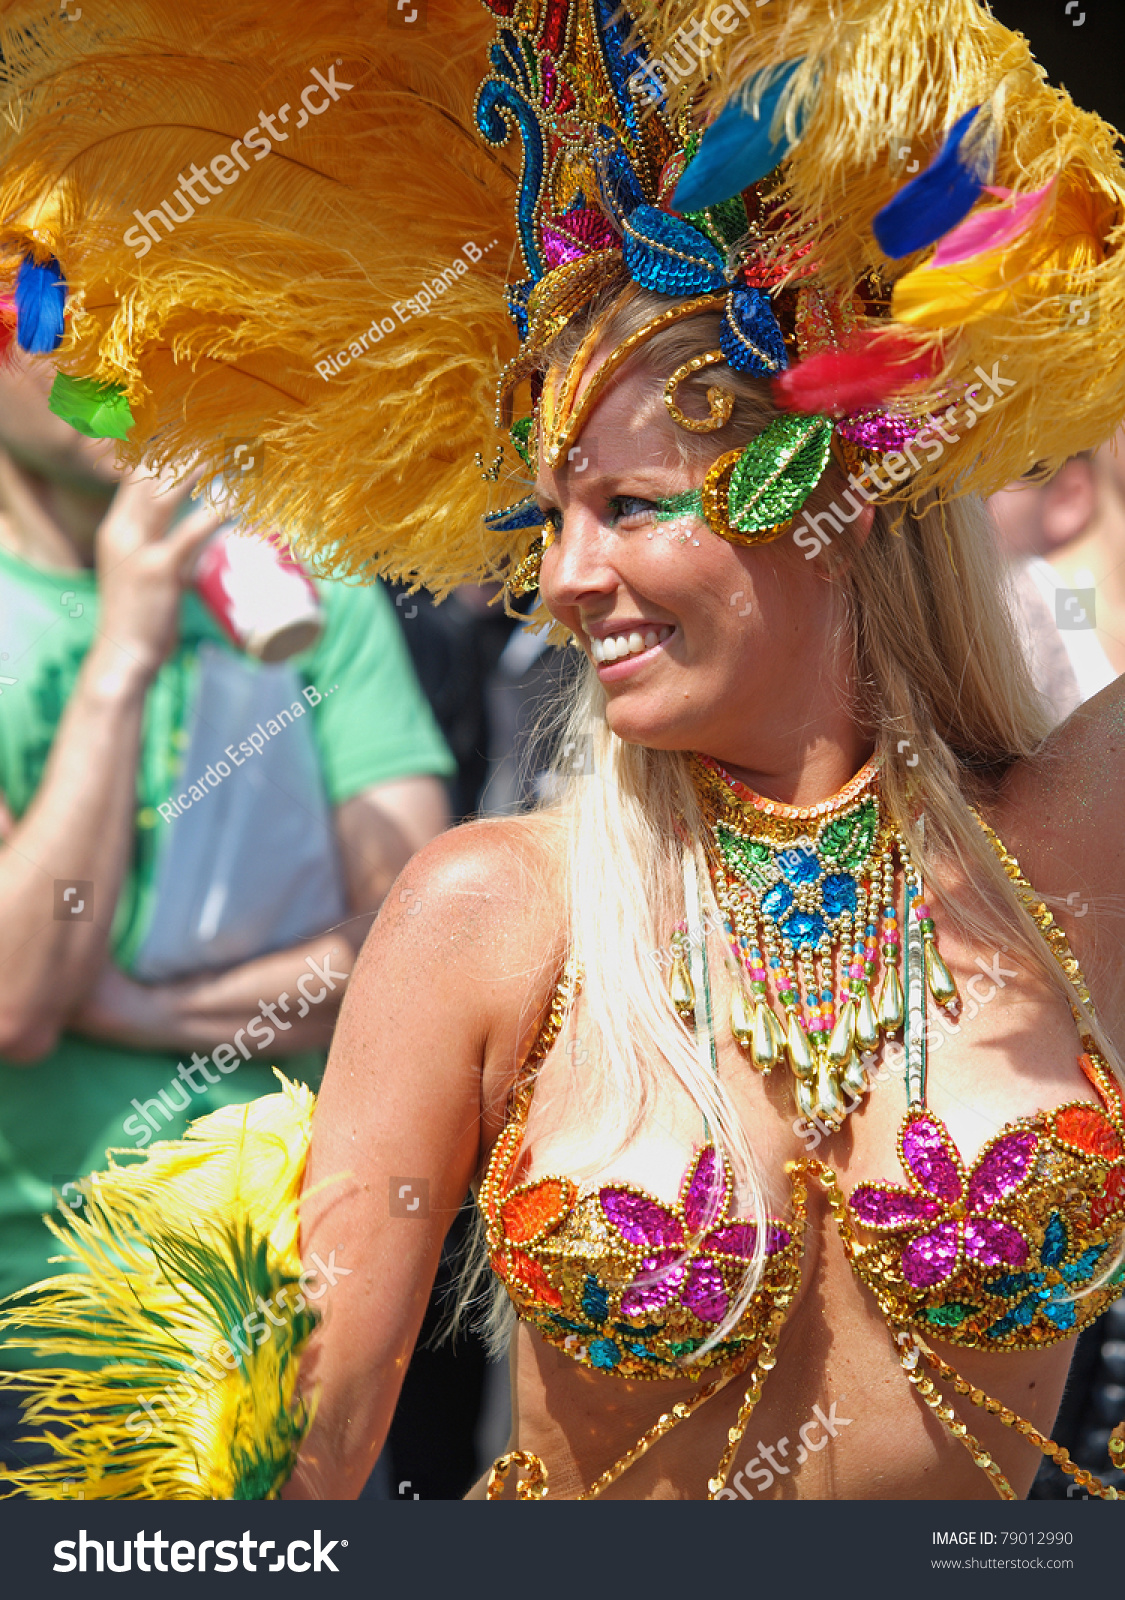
(939, 671)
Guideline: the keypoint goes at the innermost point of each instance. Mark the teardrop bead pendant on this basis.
(866, 1022)
(777, 1032)
(797, 1044)
(681, 988)
(854, 1078)
(842, 1039)
(763, 1048)
(938, 976)
(741, 1016)
(890, 1004)
(806, 1099)
(830, 1101)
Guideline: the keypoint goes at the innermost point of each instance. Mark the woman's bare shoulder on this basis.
(1064, 803)
(478, 918)
(499, 874)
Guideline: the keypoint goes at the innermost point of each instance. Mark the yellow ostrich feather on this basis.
(216, 330)
(880, 77)
(191, 1396)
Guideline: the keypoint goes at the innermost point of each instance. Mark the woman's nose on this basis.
(578, 563)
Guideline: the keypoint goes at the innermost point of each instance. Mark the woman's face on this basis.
(716, 647)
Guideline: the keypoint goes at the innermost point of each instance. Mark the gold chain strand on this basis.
(1056, 1452)
(664, 1424)
(767, 1358)
(533, 1487)
(910, 1349)
(1054, 936)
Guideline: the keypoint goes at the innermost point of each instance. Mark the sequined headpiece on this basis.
(622, 184)
(597, 210)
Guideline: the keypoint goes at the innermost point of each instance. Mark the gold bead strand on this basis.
(910, 1349)
(890, 1005)
(1056, 1452)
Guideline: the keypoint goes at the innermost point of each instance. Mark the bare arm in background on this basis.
(80, 824)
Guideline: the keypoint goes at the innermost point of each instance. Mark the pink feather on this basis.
(871, 370)
(995, 228)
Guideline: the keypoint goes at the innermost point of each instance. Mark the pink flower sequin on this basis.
(948, 1211)
(678, 1263)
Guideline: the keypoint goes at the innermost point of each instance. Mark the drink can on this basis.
(263, 598)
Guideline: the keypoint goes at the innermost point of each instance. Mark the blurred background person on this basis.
(138, 935)
(1066, 541)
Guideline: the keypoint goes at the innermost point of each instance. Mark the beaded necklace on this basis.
(814, 931)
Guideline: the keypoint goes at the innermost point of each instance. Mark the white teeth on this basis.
(618, 646)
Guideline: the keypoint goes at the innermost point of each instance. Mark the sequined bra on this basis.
(1013, 1252)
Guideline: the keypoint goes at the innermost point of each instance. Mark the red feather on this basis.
(869, 372)
(7, 327)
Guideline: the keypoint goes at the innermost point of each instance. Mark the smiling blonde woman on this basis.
(778, 1048)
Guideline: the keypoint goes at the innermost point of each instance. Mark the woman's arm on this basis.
(448, 987)
(1063, 815)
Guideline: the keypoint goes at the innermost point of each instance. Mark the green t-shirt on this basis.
(59, 1115)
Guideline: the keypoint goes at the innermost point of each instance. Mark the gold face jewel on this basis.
(720, 401)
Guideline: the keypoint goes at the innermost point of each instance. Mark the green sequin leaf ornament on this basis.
(777, 471)
(848, 840)
(749, 859)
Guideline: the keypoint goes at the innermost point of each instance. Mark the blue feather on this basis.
(736, 150)
(40, 301)
(938, 199)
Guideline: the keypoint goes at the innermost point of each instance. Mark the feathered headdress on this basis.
(331, 236)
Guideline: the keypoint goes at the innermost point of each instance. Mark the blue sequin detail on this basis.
(517, 296)
(614, 27)
(620, 191)
(799, 866)
(604, 1353)
(595, 1300)
(666, 254)
(1054, 1241)
(839, 893)
(1055, 1301)
(750, 315)
(527, 514)
(805, 927)
(776, 901)
(503, 100)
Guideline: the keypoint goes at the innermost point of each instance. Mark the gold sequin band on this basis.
(561, 416)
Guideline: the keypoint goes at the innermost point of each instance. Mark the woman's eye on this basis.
(630, 507)
(552, 522)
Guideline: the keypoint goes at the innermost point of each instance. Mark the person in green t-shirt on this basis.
(159, 959)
